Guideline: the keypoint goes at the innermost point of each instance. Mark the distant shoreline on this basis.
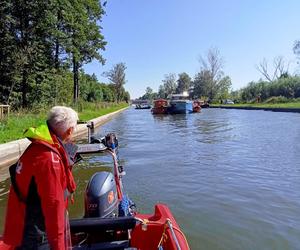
(275, 109)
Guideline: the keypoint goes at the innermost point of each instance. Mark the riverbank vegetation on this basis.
(14, 127)
(288, 105)
(285, 89)
(44, 45)
(276, 88)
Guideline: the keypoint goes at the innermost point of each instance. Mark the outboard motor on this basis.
(101, 196)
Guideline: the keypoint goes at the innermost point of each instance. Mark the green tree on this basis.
(148, 94)
(108, 93)
(86, 40)
(117, 77)
(224, 88)
(183, 83)
(7, 51)
(40, 42)
(30, 50)
(162, 92)
(127, 97)
(169, 84)
(211, 75)
(201, 84)
(90, 89)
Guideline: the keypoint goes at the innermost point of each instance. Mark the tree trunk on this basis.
(57, 41)
(75, 80)
(56, 54)
(24, 88)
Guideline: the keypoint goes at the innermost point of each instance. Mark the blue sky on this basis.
(158, 37)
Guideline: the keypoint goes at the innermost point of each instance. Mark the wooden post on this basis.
(4, 111)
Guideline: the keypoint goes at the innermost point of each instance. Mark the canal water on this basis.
(230, 177)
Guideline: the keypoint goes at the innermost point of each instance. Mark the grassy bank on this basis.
(289, 105)
(14, 127)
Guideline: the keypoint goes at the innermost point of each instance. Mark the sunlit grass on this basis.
(97, 110)
(14, 127)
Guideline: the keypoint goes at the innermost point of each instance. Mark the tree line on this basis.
(284, 89)
(210, 83)
(44, 45)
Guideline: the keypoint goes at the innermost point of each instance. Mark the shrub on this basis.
(277, 99)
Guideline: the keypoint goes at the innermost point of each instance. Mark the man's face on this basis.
(67, 136)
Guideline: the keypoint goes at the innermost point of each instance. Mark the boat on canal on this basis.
(143, 106)
(180, 104)
(160, 106)
(111, 220)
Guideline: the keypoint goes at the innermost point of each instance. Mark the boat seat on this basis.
(115, 245)
(102, 224)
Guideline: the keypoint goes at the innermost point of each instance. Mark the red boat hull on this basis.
(155, 231)
(160, 107)
(150, 232)
(159, 110)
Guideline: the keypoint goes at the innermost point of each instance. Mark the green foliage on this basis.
(293, 103)
(287, 87)
(161, 92)
(109, 94)
(149, 95)
(277, 99)
(210, 81)
(126, 97)
(183, 83)
(117, 78)
(14, 127)
(86, 40)
(90, 89)
(201, 84)
(56, 89)
(168, 87)
(40, 42)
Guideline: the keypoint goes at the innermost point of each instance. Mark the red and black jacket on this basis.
(37, 200)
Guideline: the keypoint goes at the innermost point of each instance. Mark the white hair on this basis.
(61, 118)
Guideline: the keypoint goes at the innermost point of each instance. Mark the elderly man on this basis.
(36, 216)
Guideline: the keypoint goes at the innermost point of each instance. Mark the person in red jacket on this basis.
(36, 216)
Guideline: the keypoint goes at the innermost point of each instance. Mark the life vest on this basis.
(43, 136)
(25, 208)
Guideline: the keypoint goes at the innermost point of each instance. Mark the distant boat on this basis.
(160, 107)
(180, 104)
(142, 106)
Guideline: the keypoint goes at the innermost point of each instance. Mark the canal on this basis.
(230, 177)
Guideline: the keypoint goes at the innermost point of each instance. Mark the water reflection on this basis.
(222, 172)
